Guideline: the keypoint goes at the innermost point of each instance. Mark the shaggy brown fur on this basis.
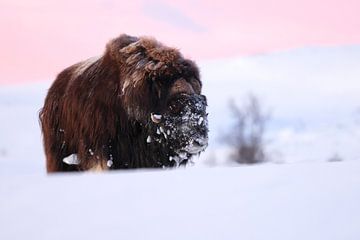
(101, 109)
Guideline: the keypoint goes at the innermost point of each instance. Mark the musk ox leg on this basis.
(55, 153)
(54, 143)
(51, 117)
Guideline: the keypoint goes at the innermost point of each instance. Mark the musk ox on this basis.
(139, 105)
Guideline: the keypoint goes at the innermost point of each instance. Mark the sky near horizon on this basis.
(40, 38)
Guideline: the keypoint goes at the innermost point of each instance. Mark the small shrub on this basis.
(247, 134)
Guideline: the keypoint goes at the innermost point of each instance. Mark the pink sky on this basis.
(40, 38)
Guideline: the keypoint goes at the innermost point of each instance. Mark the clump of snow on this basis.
(91, 152)
(201, 119)
(109, 163)
(71, 160)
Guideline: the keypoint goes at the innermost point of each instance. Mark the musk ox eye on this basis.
(178, 102)
(196, 85)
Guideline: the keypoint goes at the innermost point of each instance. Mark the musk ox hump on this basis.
(81, 67)
(142, 52)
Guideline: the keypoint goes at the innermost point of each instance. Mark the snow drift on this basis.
(287, 201)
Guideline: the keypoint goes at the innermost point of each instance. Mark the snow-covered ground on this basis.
(313, 96)
(309, 201)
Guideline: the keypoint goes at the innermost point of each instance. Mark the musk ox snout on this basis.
(183, 128)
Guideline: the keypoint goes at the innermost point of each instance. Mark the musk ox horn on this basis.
(156, 118)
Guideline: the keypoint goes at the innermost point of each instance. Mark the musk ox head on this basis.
(161, 92)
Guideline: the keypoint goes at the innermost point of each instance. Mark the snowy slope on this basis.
(286, 201)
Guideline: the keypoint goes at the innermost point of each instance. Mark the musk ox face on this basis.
(182, 127)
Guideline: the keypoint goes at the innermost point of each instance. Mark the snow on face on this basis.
(183, 129)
